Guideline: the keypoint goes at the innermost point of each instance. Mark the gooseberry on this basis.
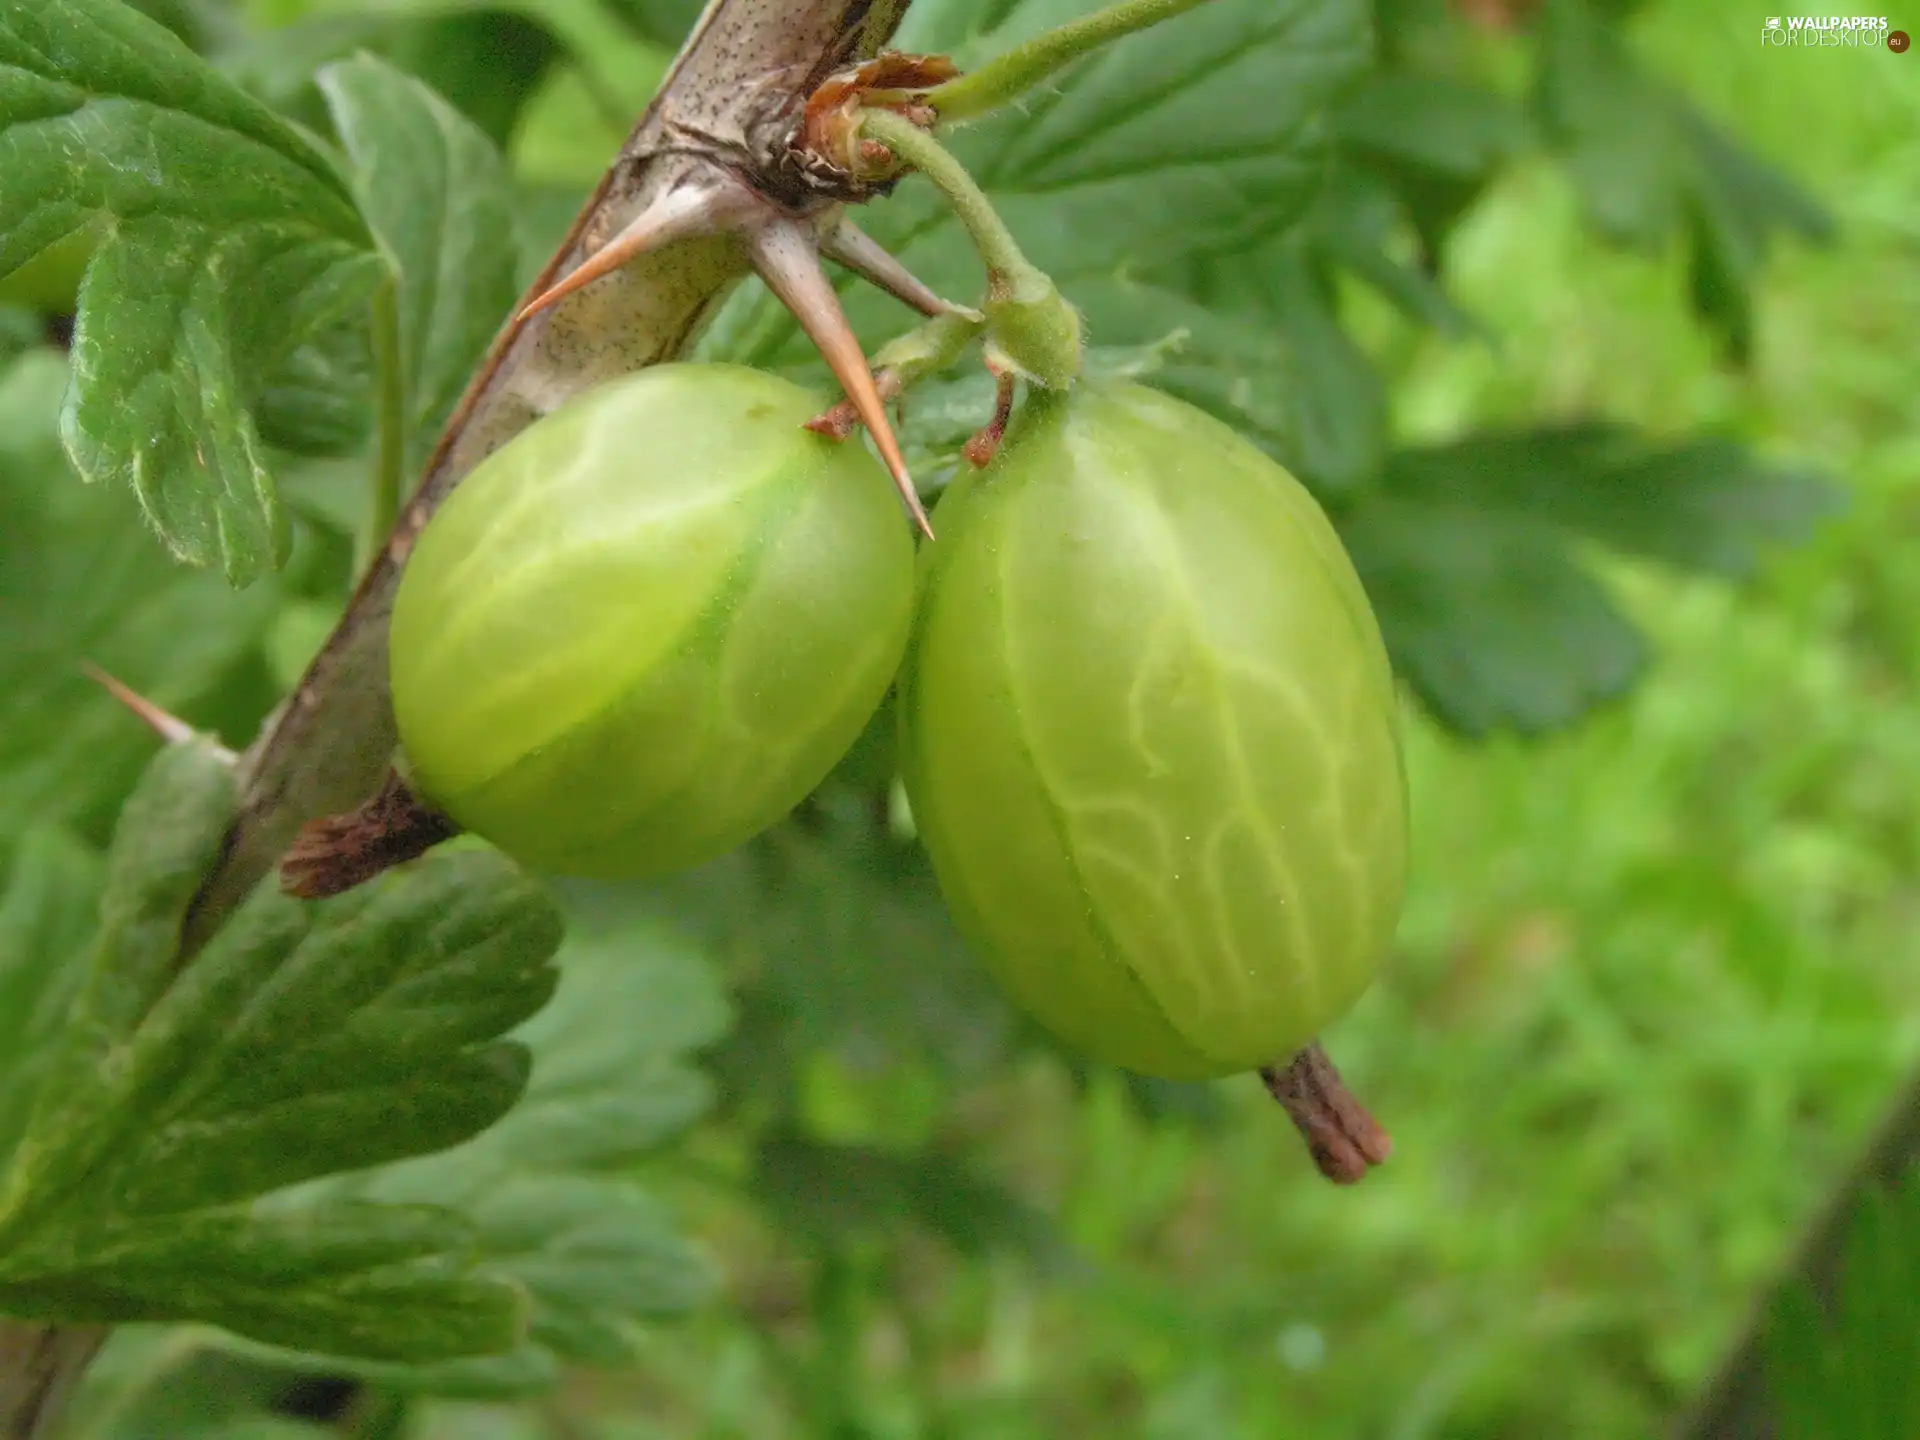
(645, 628)
(1149, 734)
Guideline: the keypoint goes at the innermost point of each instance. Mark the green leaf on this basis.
(1415, 150)
(304, 1041)
(665, 22)
(150, 1381)
(851, 949)
(827, 1194)
(198, 23)
(1488, 617)
(80, 580)
(1359, 224)
(1650, 166)
(1469, 555)
(1705, 504)
(1408, 118)
(436, 193)
(1339, 404)
(552, 1214)
(1852, 1366)
(485, 63)
(46, 915)
(229, 242)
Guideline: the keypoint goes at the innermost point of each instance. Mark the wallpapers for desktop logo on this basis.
(1833, 30)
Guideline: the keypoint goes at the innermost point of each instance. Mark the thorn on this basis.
(168, 726)
(852, 247)
(695, 207)
(788, 259)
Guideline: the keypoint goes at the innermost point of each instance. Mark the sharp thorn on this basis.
(706, 206)
(852, 247)
(168, 726)
(787, 258)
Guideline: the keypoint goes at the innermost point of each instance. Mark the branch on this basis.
(39, 1366)
(733, 99)
(1735, 1404)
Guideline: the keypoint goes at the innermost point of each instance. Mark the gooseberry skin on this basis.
(644, 629)
(1149, 732)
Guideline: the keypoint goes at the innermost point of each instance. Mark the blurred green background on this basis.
(1658, 976)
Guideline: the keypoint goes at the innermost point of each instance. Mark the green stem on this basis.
(390, 455)
(932, 159)
(1031, 330)
(1007, 77)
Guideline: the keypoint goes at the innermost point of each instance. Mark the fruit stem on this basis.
(390, 454)
(916, 147)
(1008, 76)
(1344, 1139)
(1031, 329)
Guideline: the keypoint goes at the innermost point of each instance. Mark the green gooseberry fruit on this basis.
(1150, 736)
(644, 629)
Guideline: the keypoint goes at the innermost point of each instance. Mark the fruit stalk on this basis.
(1007, 77)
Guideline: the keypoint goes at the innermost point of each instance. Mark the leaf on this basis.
(304, 1041)
(486, 63)
(829, 1193)
(551, 1213)
(79, 581)
(665, 22)
(229, 243)
(1339, 403)
(1852, 1367)
(46, 914)
(1357, 225)
(1415, 151)
(1488, 617)
(435, 191)
(198, 23)
(1706, 504)
(850, 950)
(1468, 554)
(1649, 166)
(1407, 118)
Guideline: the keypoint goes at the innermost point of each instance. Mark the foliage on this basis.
(1671, 933)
